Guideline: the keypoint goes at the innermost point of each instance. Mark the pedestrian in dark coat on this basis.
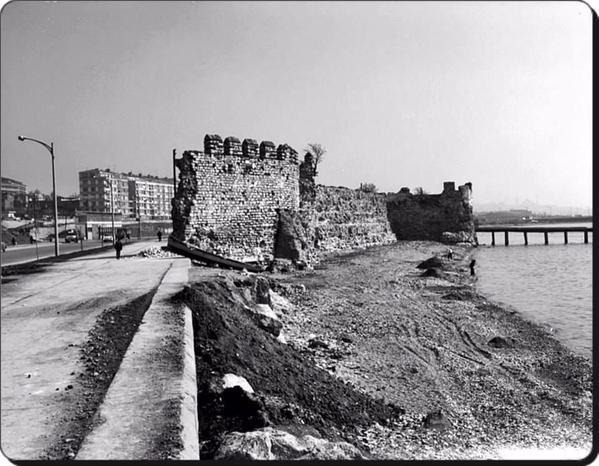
(118, 246)
(472, 264)
(159, 235)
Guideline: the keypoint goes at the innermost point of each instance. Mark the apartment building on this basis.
(131, 195)
(14, 196)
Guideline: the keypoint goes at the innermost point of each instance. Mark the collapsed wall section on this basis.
(445, 217)
(229, 195)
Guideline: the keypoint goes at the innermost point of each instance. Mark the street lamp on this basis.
(50, 148)
(112, 208)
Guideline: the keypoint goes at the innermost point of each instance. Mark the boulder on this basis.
(499, 342)
(434, 262)
(435, 420)
(434, 272)
(280, 305)
(273, 444)
(317, 343)
(262, 289)
(451, 237)
(266, 318)
(232, 380)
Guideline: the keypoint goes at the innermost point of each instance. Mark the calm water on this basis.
(549, 284)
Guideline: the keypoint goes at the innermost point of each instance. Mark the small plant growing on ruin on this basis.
(368, 187)
(317, 152)
(419, 191)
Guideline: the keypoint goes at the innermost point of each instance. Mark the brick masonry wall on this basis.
(445, 217)
(228, 195)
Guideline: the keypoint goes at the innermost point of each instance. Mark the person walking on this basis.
(159, 236)
(472, 264)
(118, 246)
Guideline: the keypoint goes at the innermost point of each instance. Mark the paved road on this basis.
(45, 319)
(26, 253)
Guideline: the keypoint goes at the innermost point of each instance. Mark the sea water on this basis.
(549, 284)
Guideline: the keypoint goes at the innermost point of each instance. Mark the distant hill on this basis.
(536, 209)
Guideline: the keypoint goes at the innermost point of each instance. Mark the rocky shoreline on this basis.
(375, 355)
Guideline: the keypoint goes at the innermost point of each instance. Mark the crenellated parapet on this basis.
(231, 146)
(213, 144)
(230, 194)
(250, 148)
(267, 149)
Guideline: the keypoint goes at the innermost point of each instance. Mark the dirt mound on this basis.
(293, 391)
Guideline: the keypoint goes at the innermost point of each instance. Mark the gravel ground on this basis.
(473, 377)
(434, 369)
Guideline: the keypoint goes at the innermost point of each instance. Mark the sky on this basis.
(399, 93)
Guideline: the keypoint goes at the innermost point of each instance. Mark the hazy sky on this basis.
(400, 93)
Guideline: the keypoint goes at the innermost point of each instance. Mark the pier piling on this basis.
(526, 230)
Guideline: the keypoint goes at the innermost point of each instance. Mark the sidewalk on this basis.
(46, 320)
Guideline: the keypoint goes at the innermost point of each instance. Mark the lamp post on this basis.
(50, 148)
(112, 208)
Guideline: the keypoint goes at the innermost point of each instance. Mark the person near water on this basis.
(472, 264)
(118, 246)
(159, 235)
(449, 254)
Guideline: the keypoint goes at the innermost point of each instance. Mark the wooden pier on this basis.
(536, 229)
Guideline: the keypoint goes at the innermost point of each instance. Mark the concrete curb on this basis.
(150, 409)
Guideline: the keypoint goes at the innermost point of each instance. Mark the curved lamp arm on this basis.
(47, 146)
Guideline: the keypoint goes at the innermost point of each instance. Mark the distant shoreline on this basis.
(538, 220)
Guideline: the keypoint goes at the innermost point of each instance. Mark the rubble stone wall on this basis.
(445, 217)
(245, 200)
(229, 194)
(345, 218)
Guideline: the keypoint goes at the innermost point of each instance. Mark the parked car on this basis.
(71, 236)
(107, 239)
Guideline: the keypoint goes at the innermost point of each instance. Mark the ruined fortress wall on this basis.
(228, 195)
(346, 218)
(244, 200)
(445, 217)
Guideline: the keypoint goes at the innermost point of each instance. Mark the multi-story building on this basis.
(132, 196)
(14, 196)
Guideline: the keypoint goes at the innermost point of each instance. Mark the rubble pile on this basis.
(157, 252)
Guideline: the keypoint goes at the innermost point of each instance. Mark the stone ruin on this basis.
(446, 217)
(229, 195)
(256, 202)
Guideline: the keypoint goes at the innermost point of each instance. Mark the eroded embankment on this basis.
(401, 365)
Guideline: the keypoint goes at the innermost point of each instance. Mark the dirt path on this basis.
(472, 377)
